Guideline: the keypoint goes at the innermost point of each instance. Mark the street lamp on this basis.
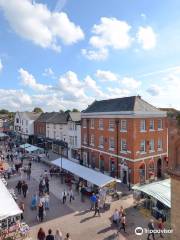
(61, 167)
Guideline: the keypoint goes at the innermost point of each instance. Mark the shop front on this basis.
(60, 147)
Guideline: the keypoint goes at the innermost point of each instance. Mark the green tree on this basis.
(67, 111)
(61, 111)
(4, 111)
(38, 110)
(75, 110)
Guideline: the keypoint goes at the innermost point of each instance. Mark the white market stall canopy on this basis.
(8, 206)
(3, 135)
(159, 190)
(30, 148)
(88, 174)
(26, 145)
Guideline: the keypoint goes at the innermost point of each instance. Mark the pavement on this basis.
(75, 217)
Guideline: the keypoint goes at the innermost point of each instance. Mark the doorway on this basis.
(159, 168)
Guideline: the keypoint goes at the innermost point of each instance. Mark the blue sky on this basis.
(59, 54)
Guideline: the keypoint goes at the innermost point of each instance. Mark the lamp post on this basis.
(129, 179)
(61, 168)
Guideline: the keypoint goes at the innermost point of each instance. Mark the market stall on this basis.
(89, 179)
(9, 211)
(156, 197)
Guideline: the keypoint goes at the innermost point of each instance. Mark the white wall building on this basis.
(74, 135)
(24, 123)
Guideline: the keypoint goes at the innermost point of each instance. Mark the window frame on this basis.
(122, 129)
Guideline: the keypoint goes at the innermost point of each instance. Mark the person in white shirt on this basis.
(116, 217)
(71, 194)
(46, 198)
(58, 235)
(64, 196)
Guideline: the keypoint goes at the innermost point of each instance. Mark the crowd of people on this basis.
(50, 236)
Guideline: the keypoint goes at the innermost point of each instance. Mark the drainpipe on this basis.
(117, 146)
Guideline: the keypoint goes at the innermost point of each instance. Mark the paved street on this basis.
(75, 217)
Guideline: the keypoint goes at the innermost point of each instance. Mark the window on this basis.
(143, 146)
(160, 124)
(75, 140)
(85, 139)
(54, 126)
(143, 125)
(123, 145)
(26, 122)
(92, 140)
(101, 141)
(151, 145)
(123, 125)
(22, 122)
(111, 124)
(101, 125)
(54, 134)
(151, 125)
(92, 123)
(84, 123)
(17, 120)
(160, 144)
(111, 143)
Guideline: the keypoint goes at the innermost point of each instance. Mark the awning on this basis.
(32, 149)
(8, 205)
(26, 145)
(159, 190)
(3, 135)
(88, 174)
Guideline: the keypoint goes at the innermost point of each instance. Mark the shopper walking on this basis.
(50, 236)
(19, 187)
(58, 235)
(41, 212)
(97, 210)
(41, 234)
(64, 196)
(160, 227)
(67, 237)
(71, 195)
(24, 188)
(151, 228)
(93, 200)
(123, 222)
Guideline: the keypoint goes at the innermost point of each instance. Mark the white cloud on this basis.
(146, 37)
(1, 65)
(48, 72)
(106, 75)
(109, 33)
(71, 86)
(91, 85)
(131, 83)
(154, 90)
(97, 55)
(28, 80)
(14, 99)
(143, 15)
(34, 21)
(117, 92)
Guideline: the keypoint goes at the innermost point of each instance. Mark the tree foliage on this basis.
(38, 110)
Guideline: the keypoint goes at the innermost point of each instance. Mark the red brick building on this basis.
(125, 137)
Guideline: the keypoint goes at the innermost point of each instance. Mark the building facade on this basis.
(125, 138)
(74, 136)
(24, 123)
(56, 129)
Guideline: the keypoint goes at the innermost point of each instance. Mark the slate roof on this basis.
(75, 116)
(125, 104)
(57, 118)
(45, 116)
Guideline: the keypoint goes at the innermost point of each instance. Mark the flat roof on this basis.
(8, 205)
(160, 190)
(86, 173)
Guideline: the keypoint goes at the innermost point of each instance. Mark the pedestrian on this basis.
(22, 206)
(28, 173)
(151, 229)
(97, 210)
(24, 188)
(121, 211)
(71, 195)
(160, 227)
(34, 202)
(19, 187)
(41, 234)
(58, 235)
(116, 217)
(41, 212)
(47, 185)
(93, 200)
(123, 222)
(64, 196)
(50, 236)
(67, 237)
(46, 201)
